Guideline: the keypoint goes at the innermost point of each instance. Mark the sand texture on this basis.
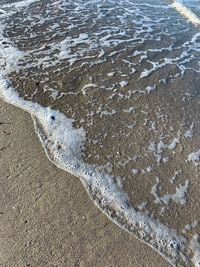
(46, 217)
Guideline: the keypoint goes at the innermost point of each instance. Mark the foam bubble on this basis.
(194, 156)
(64, 144)
(195, 248)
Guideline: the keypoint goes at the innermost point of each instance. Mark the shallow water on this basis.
(126, 72)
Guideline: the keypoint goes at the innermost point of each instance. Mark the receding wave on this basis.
(112, 90)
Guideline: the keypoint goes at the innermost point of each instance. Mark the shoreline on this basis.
(47, 218)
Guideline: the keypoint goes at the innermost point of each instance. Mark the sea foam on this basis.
(64, 146)
(186, 12)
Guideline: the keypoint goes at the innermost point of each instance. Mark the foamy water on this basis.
(185, 10)
(113, 92)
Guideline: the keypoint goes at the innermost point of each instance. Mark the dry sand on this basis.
(46, 217)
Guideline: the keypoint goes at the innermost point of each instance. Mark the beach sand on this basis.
(46, 216)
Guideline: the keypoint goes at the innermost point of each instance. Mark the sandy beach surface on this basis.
(46, 217)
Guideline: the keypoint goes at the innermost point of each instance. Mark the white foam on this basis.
(149, 168)
(149, 89)
(194, 156)
(173, 178)
(135, 171)
(54, 123)
(179, 196)
(54, 94)
(189, 133)
(123, 84)
(88, 86)
(64, 146)
(195, 248)
(186, 12)
(142, 206)
(20, 4)
(174, 143)
(11, 57)
(111, 74)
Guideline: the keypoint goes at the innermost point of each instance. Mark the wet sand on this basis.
(46, 217)
(135, 93)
